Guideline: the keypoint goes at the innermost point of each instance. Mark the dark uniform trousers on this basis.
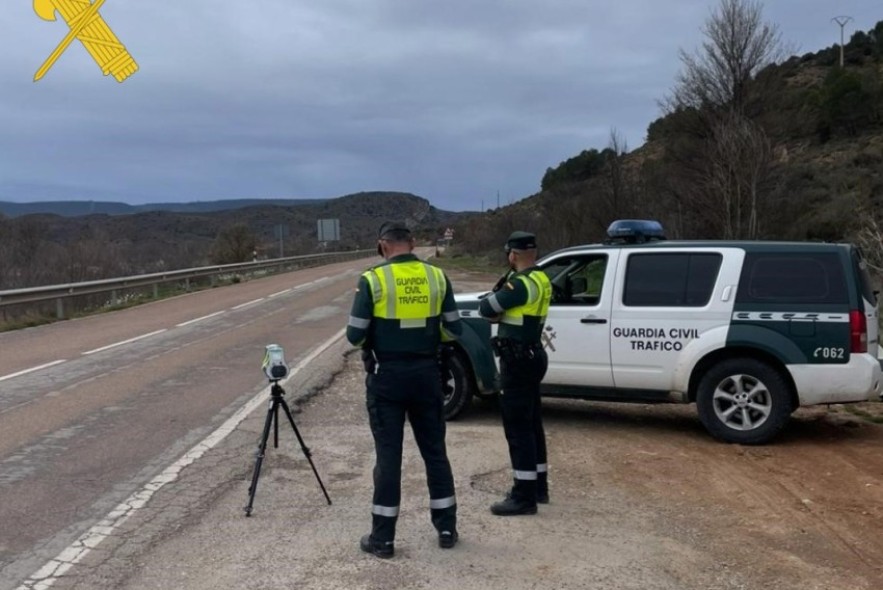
(411, 389)
(520, 406)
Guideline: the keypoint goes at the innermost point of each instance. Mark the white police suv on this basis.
(748, 330)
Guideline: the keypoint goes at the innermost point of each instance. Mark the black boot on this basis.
(445, 522)
(542, 488)
(382, 549)
(513, 506)
(447, 539)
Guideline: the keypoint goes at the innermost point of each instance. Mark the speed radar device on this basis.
(274, 362)
(275, 369)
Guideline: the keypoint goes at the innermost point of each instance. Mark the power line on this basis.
(841, 20)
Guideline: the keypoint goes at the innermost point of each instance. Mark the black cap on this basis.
(521, 240)
(392, 226)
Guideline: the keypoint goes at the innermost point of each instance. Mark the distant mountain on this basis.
(51, 248)
(79, 208)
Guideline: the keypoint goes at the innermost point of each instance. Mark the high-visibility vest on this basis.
(539, 295)
(409, 291)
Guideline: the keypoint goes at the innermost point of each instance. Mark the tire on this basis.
(486, 396)
(743, 401)
(458, 384)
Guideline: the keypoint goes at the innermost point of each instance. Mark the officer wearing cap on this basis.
(520, 306)
(402, 311)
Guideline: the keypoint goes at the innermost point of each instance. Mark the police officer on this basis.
(520, 305)
(402, 310)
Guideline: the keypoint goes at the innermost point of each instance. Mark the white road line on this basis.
(182, 324)
(31, 370)
(205, 317)
(136, 338)
(50, 573)
(252, 302)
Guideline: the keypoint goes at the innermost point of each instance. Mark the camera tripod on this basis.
(277, 401)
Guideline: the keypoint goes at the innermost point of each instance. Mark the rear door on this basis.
(795, 303)
(665, 300)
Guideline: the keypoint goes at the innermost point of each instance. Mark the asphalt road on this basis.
(128, 469)
(92, 409)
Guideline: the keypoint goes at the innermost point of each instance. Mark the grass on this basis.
(127, 300)
(24, 322)
(876, 418)
(469, 263)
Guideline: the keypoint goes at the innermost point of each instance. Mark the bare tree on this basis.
(617, 196)
(738, 45)
(29, 248)
(738, 165)
(234, 243)
(724, 158)
(7, 268)
(870, 239)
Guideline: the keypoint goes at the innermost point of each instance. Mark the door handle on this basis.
(593, 321)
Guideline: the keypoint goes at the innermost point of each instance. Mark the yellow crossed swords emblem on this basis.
(89, 27)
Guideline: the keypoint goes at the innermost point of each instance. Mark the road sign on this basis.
(329, 230)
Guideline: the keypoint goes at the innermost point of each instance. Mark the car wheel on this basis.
(457, 385)
(743, 401)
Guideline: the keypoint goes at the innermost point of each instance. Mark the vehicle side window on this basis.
(781, 277)
(674, 279)
(577, 280)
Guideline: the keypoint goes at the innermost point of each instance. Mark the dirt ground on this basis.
(643, 497)
(805, 511)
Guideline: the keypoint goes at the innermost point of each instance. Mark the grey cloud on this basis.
(451, 100)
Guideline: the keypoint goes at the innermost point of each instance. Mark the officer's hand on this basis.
(494, 319)
(368, 361)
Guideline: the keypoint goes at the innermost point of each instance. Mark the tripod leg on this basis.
(276, 424)
(272, 412)
(304, 448)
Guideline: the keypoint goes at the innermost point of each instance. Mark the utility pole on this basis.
(281, 231)
(841, 20)
(498, 199)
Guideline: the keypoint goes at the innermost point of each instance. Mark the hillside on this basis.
(80, 208)
(41, 249)
(802, 158)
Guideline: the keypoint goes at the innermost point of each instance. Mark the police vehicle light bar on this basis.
(635, 231)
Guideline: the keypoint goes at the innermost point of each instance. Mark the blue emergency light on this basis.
(635, 231)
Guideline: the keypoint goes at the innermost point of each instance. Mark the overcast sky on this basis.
(453, 100)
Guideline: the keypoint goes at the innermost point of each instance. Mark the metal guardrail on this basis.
(61, 292)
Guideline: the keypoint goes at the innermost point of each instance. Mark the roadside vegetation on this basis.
(456, 259)
(21, 316)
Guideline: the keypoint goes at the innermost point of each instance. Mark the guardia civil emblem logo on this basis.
(89, 28)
